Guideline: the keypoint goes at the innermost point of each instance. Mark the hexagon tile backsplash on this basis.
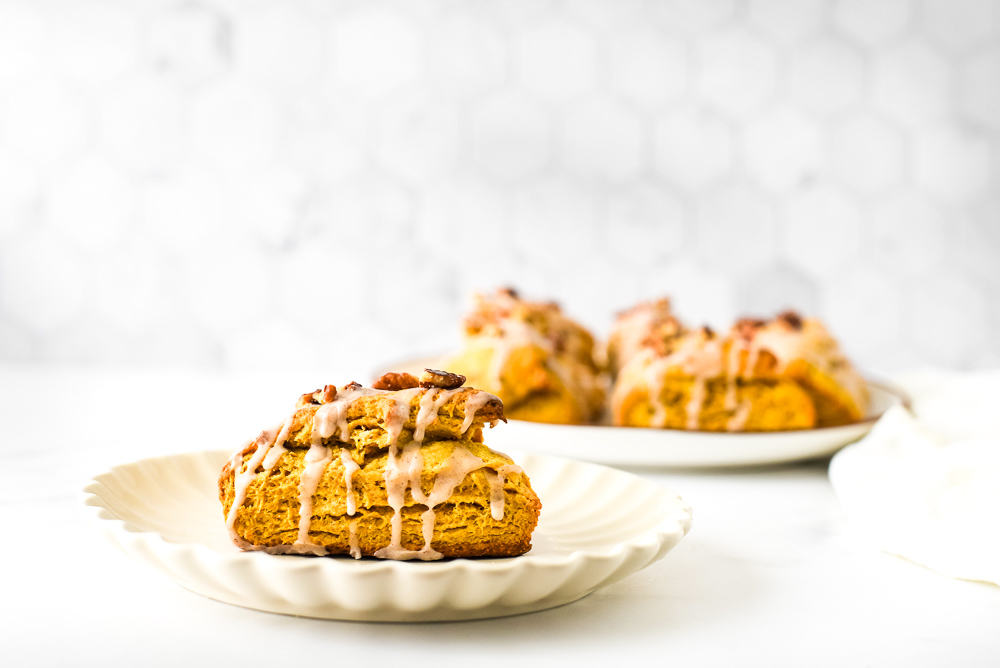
(241, 184)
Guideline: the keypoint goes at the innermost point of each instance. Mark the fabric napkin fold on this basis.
(925, 485)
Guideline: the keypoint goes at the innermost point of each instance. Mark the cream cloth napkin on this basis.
(926, 486)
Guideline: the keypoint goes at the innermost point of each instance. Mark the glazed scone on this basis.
(538, 361)
(787, 373)
(396, 471)
(635, 328)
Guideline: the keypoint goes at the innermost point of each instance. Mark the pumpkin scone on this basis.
(538, 361)
(787, 373)
(634, 328)
(395, 471)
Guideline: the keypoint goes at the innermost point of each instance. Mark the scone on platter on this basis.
(538, 361)
(395, 471)
(786, 373)
(635, 328)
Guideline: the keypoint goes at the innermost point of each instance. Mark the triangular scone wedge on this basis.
(540, 362)
(394, 471)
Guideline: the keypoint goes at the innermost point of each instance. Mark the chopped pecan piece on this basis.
(328, 394)
(443, 379)
(791, 318)
(395, 381)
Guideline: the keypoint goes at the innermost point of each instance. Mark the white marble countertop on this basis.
(769, 575)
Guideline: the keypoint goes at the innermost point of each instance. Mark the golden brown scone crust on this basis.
(787, 373)
(464, 523)
(539, 362)
(463, 526)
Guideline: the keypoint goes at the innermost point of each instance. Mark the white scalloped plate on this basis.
(637, 446)
(597, 526)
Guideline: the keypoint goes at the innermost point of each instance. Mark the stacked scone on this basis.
(785, 373)
(537, 360)
(395, 471)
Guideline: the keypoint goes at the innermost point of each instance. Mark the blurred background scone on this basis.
(786, 373)
(539, 362)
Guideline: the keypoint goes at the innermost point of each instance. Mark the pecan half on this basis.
(395, 381)
(328, 394)
(443, 379)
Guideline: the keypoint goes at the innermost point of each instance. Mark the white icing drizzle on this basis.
(316, 460)
(352, 538)
(496, 480)
(696, 402)
(270, 441)
(460, 463)
(473, 405)
(350, 468)
(430, 404)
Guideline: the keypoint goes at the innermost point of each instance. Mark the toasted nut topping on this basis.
(395, 381)
(442, 379)
(308, 398)
(708, 331)
(328, 394)
(791, 318)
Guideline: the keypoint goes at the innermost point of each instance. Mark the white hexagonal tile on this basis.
(868, 153)
(960, 25)
(979, 94)
(556, 60)
(466, 56)
(646, 223)
(776, 287)
(701, 295)
(912, 83)
(953, 162)
(185, 211)
(419, 137)
(46, 123)
(189, 43)
(26, 46)
(908, 233)
(602, 14)
(555, 221)
(226, 291)
(873, 22)
(648, 68)
(826, 76)
(948, 317)
(471, 214)
(20, 196)
(788, 20)
(602, 139)
(44, 284)
(97, 43)
(232, 125)
(974, 242)
(269, 211)
(278, 45)
(696, 16)
(823, 230)
(782, 148)
(130, 288)
(369, 208)
(693, 148)
(737, 71)
(141, 125)
(375, 51)
(737, 229)
(329, 139)
(511, 136)
(92, 203)
(863, 309)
